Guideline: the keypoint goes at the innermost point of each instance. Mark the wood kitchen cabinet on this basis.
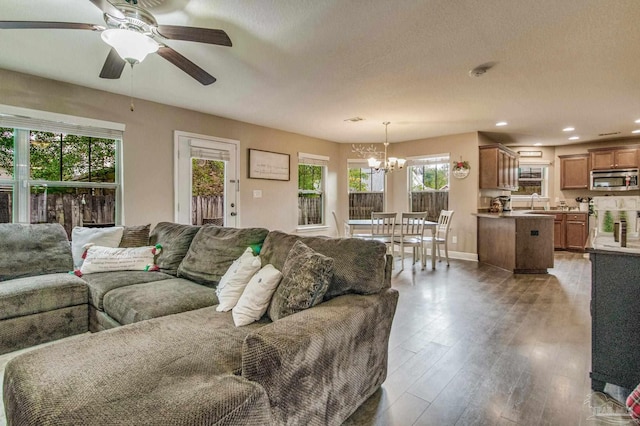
(575, 231)
(614, 158)
(570, 230)
(498, 168)
(574, 171)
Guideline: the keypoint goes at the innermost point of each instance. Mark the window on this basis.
(429, 184)
(55, 172)
(532, 179)
(366, 190)
(311, 179)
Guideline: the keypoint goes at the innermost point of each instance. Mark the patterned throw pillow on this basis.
(81, 236)
(305, 279)
(633, 404)
(135, 236)
(106, 259)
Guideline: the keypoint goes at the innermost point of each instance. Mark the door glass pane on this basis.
(207, 192)
(73, 206)
(6, 204)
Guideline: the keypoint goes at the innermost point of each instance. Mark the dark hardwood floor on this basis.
(474, 345)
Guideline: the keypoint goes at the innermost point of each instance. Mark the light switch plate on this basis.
(454, 239)
(257, 193)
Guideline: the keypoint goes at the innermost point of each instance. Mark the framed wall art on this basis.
(268, 165)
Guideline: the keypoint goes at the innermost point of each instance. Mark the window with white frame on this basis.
(428, 184)
(366, 189)
(51, 171)
(533, 178)
(312, 171)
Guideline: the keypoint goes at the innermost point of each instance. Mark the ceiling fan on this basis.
(133, 32)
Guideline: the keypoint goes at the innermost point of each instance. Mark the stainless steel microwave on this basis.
(614, 180)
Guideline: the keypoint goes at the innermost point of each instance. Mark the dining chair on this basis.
(411, 233)
(441, 235)
(383, 228)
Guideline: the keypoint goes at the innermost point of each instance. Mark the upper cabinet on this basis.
(574, 171)
(614, 158)
(498, 168)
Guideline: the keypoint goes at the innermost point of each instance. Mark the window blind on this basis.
(28, 123)
(425, 161)
(313, 159)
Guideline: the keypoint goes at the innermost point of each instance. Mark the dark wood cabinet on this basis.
(570, 230)
(614, 158)
(575, 231)
(574, 171)
(615, 335)
(558, 232)
(498, 168)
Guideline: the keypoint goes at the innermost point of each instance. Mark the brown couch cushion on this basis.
(175, 240)
(29, 250)
(359, 265)
(214, 249)
(156, 299)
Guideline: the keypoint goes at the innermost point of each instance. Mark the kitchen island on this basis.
(520, 242)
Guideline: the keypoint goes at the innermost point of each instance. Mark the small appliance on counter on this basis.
(505, 200)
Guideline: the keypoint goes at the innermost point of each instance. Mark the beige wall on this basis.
(148, 149)
(463, 193)
(148, 158)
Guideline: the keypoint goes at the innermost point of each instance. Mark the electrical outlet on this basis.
(454, 239)
(257, 193)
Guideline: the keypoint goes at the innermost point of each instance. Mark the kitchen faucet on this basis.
(534, 195)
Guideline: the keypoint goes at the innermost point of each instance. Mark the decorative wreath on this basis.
(461, 169)
(461, 165)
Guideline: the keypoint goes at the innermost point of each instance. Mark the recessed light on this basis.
(638, 121)
(537, 144)
(501, 123)
(635, 131)
(568, 129)
(574, 138)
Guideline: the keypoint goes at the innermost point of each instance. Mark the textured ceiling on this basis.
(306, 65)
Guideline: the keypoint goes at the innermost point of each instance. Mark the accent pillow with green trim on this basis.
(107, 259)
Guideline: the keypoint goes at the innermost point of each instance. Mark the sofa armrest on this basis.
(317, 366)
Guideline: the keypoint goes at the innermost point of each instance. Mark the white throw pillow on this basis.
(105, 237)
(256, 296)
(236, 278)
(106, 259)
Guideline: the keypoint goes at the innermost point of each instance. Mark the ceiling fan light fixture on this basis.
(132, 46)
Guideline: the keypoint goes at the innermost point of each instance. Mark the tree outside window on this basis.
(429, 185)
(366, 191)
(310, 194)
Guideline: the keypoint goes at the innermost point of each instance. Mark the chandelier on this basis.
(387, 164)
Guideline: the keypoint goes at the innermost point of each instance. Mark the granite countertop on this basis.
(607, 243)
(515, 214)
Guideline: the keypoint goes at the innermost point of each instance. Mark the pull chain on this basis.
(131, 106)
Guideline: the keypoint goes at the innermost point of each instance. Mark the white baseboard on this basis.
(460, 255)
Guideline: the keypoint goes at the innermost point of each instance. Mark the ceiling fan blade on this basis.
(108, 8)
(201, 35)
(113, 66)
(186, 65)
(16, 25)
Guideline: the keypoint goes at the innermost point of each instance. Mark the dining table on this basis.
(353, 226)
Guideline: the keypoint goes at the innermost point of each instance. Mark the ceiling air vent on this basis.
(354, 119)
(609, 134)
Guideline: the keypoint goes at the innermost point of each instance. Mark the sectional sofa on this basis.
(160, 352)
